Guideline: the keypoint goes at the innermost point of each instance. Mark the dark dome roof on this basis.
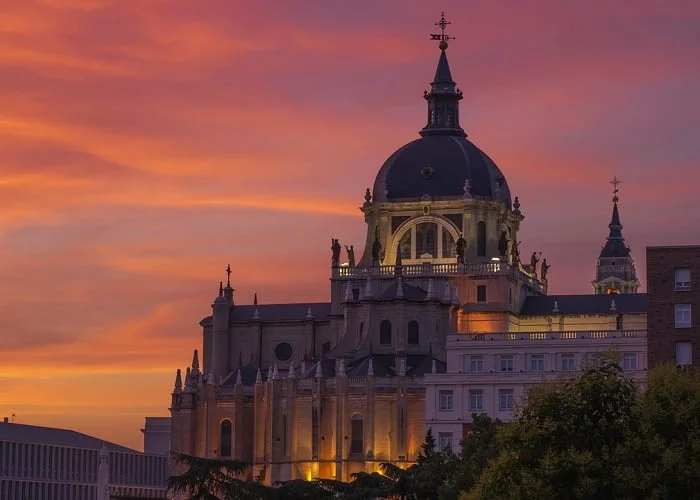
(437, 166)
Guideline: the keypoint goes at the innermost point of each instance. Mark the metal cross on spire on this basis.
(443, 37)
(615, 182)
(228, 275)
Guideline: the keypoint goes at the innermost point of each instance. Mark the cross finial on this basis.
(228, 275)
(442, 24)
(615, 182)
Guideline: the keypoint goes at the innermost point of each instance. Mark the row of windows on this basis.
(21, 490)
(47, 462)
(683, 316)
(536, 362)
(412, 333)
(476, 400)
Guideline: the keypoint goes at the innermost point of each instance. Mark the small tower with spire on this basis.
(615, 271)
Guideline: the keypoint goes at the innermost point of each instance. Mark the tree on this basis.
(478, 447)
(205, 478)
(567, 442)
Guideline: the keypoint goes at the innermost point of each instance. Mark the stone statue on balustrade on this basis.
(533, 264)
(351, 255)
(515, 253)
(543, 270)
(335, 252)
(461, 248)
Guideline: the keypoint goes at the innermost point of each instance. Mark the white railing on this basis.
(424, 269)
(566, 335)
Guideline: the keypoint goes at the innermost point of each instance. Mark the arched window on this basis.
(405, 246)
(356, 434)
(412, 337)
(385, 332)
(426, 240)
(226, 439)
(481, 239)
(449, 246)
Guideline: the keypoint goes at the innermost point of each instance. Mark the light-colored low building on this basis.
(492, 372)
(44, 463)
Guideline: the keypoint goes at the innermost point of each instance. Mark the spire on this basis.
(258, 377)
(269, 373)
(319, 372)
(228, 291)
(178, 381)
(195, 361)
(370, 368)
(239, 378)
(255, 299)
(444, 96)
(275, 373)
(615, 271)
(188, 382)
(291, 373)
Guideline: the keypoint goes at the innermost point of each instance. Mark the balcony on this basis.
(455, 339)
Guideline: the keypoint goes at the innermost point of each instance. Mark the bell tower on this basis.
(615, 271)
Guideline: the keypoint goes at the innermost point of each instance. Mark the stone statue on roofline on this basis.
(351, 255)
(335, 250)
(376, 248)
(533, 264)
(543, 270)
(461, 249)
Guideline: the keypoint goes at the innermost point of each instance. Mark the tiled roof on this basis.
(52, 436)
(541, 305)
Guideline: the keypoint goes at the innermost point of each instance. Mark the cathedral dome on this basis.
(443, 163)
(438, 166)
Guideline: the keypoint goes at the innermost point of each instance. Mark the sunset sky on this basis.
(146, 144)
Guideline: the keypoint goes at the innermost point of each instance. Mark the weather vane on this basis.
(443, 37)
(615, 182)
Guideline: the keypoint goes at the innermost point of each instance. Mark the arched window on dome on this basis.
(426, 240)
(412, 334)
(449, 245)
(226, 438)
(385, 332)
(481, 239)
(405, 246)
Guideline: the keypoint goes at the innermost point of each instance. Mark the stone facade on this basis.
(673, 295)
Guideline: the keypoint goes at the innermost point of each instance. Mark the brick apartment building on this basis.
(673, 305)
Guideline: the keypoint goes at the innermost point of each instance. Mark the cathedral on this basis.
(304, 390)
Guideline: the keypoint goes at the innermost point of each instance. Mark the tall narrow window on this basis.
(385, 332)
(449, 246)
(412, 333)
(481, 239)
(284, 434)
(357, 434)
(226, 438)
(405, 246)
(314, 433)
(426, 240)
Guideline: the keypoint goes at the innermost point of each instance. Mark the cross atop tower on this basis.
(615, 182)
(228, 275)
(442, 24)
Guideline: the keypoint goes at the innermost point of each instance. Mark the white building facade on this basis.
(492, 373)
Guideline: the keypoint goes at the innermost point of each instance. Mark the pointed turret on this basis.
(444, 96)
(615, 271)
(178, 382)
(258, 377)
(275, 373)
(319, 372)
(195, 361)
(239, 378)
(370, 368)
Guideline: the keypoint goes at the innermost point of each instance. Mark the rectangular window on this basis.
(476, 400)
(684, 353)
(444, 440)
(629, 361)
(476, 363)
(568, 362)
(505, 399)
(445, 400)
(682, 280)
(537, 362)
(481, 293)
(507, 363)
(682, 315)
